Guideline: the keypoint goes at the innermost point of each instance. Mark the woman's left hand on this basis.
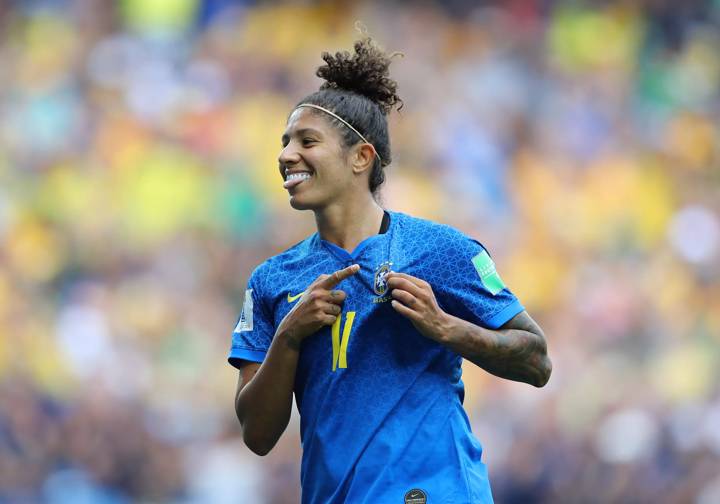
(414, 299)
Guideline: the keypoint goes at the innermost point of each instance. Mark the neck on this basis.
(347, 224)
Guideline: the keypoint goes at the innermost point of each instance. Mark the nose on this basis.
(288, 156)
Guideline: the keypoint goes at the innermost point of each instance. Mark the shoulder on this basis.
(274, 269)
(436, 238)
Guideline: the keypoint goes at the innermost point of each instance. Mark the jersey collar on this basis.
(344, 255)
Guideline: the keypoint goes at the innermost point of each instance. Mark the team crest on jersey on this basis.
(380, 283)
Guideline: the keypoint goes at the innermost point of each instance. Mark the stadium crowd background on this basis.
(139, 187)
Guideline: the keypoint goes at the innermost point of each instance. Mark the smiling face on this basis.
(313, 163)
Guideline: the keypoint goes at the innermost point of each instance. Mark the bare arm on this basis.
(263, 400)
(517, 351)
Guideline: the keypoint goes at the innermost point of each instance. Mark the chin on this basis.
(310, 200)
(300, 203)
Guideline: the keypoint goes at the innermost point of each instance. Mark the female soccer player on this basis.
(367, 321)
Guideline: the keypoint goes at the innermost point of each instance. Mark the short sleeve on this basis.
(471, 287)
(254, 330)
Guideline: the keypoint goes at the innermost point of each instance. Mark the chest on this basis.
(366, 291)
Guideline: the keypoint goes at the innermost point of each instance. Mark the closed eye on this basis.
(308, 141)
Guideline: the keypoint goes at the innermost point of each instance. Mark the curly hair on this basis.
(358, 88)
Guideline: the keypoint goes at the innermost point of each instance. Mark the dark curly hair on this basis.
(358, 89)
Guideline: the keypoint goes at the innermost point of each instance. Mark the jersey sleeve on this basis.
(254, 330)
(471, 288)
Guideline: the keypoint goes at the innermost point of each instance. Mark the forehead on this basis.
(305, 118)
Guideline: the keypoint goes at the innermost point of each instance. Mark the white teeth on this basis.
(295, 176)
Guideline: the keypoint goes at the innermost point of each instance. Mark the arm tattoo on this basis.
(517, 351)
(523, 322)
(291, 341)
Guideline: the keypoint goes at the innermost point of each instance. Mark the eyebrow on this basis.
(304, 131)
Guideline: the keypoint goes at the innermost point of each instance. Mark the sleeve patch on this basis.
(246, 315)
(489, 277)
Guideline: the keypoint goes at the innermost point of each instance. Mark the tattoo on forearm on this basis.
(292, 342)
(517, 351)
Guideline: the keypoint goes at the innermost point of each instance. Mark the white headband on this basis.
(312, 105)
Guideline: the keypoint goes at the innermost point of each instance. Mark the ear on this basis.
(362, 158)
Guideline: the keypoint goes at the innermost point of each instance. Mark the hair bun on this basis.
(365, 73)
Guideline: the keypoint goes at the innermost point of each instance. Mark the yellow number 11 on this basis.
(340, 346)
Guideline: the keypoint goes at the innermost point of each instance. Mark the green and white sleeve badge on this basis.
(489, 277)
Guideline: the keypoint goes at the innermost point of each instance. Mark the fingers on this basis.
(404, 297)
(321, 295)
(321, 318)
(327, 312)
(337, 296)
(401, 282)
(332, 280)
(320, 298)
(414, 280)
(323, 307)
(404, 310)
(331, 309)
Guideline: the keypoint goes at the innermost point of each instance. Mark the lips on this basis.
(293, 179)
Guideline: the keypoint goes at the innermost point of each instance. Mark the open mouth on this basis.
(295, 179)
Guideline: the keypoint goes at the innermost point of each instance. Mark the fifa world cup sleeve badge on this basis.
(489, 277)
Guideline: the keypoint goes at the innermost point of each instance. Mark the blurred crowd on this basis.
(139, 188)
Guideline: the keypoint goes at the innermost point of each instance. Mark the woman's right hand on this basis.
(319, 306)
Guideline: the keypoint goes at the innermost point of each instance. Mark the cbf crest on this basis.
(380, 281)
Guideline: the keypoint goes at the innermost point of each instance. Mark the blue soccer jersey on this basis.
(380, 404)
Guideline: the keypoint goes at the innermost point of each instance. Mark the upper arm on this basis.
(246, 373)
(468, 286)
(523, 322)
(253, 333)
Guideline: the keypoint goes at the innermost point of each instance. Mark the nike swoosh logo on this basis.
(293, 298)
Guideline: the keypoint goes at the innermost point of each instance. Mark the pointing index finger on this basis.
(339, 276)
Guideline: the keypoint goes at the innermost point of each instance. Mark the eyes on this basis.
(305, 141)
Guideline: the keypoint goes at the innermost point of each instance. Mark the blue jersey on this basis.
(380, 404)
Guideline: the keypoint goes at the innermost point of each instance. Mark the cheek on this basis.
(332, 167)
(338, 176)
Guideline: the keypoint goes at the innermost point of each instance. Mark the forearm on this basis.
(515, 354)
(263, 406)
(517, 351)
